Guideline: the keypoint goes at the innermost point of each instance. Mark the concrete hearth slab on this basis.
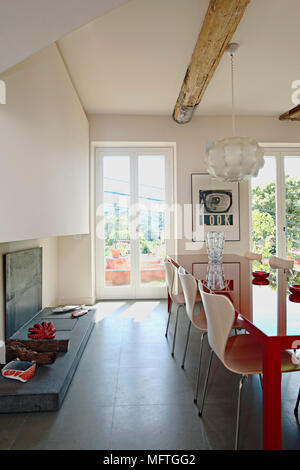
(47, 389)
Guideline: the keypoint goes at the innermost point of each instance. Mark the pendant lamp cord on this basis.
(232, 96)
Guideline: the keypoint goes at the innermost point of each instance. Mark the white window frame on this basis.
(171, 196)
(278, 152)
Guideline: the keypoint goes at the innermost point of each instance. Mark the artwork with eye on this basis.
(215, 207)
(218, 201)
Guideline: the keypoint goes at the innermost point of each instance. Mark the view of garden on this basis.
(149, 226)
(264, 219)
(117, 245)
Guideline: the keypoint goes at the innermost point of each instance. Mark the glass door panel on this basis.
(292, 195)
(151, 227)
(264, 209)
(133, 190)
(116, 199)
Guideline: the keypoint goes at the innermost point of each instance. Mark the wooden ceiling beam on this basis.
(292, 115)
(220, 23)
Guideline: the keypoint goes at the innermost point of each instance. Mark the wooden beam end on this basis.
(183, 114)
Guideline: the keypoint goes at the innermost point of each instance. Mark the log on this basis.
(44, 345)
(16, 350)
(220, 23)
(292, 115)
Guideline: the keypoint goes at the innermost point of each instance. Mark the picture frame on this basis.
(215, 207)
(23, 272)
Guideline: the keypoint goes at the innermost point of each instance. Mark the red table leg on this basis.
(169, 302)
(271, 396)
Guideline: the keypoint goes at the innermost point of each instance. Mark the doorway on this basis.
(134, 223)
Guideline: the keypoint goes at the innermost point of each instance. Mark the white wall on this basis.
(44, 145)
(39, 23)
(76, 275)
(75, 270)
(191, 140)
(50, 270)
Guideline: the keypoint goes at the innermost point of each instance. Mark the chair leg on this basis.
(199, 368)
(242, 380)
(175, 330)
(297, 404)
(166, 333)
(186, 345)
(206, 382)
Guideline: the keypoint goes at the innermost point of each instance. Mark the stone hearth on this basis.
(47, 389)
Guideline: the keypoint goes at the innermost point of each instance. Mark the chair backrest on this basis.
(220, 316)
(170, 276)
(276, 262)
(254, 256)
(189, 287)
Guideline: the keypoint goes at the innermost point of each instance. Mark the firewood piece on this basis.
(16, 350)
(44, 345)
(220, 23)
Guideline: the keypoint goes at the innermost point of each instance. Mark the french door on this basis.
(276, 205)
(134, 225)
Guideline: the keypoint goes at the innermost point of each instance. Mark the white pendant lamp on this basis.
(234, 158)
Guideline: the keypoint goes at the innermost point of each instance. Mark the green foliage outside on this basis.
(264, 218)
(264, 225)
(117, 234)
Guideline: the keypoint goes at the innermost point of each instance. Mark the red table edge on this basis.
(272, 346)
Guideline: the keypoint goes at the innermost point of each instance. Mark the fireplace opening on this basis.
(23, 288)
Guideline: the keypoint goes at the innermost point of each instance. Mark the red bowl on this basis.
(260, 281)
(260, 274)
(295, 289)
(294, 298)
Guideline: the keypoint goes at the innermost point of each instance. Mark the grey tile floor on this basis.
(129, 393)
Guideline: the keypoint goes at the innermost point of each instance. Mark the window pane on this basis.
(151, 193)
(264, 209)
(292, 194)
(116, 183)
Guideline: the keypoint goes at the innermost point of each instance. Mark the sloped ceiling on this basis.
(133, 59)
(27, 26)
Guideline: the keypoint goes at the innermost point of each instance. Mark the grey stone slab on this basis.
(92, 388)
(68, 429)
(52, 316)
(46, 390)
(157, 427)
(10, 426)
(64, 324)
(153, 386)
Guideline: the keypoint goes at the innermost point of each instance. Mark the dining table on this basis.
(266, 309)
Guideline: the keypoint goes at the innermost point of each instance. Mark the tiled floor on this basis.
(129, 393)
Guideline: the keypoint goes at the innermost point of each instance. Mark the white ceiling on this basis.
(27, 26)
(133, 59)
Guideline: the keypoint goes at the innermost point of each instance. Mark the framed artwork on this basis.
(215, 207)
(23, 287)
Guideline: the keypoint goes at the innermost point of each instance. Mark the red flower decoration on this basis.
(42, 331)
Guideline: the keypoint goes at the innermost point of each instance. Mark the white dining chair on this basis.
(241, 354)
(177, 299)
(253, 256)
(276, 262)
(196, 315)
